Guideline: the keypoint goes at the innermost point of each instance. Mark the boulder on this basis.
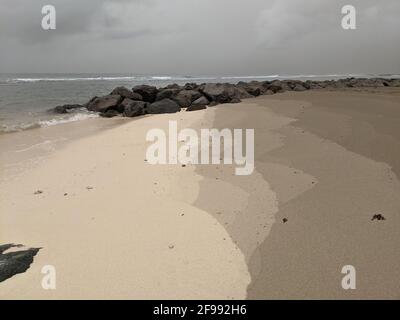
(185, 97)
(110, 113)
(213, 104)
(221, 92)
(275, 86)
(253, 88)
(191, 86)
(299, 87)
(126, 93)
(105, 103)
(66, 108)
(395, 83)
(166, 94)
(148, 93)
(242, 93)
(196, 107)
(236, 100)
(202, 101)
(173, 86)
(15, 262)
(163, 106)
(134, 108)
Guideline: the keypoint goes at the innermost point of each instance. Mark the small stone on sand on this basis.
(378, 217)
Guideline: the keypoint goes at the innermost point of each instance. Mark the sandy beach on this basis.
(116, 227)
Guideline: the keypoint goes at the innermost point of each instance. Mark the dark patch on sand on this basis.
(16, 262)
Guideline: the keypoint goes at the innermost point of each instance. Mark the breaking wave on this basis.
(47, 123)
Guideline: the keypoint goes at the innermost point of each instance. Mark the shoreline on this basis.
(312, 168)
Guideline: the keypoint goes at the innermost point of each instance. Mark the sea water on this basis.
(26, 98)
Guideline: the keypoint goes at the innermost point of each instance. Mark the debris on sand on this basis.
(378, 217)
(284, 220)
(38, 192)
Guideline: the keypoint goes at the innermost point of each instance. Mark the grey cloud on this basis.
(200, 37)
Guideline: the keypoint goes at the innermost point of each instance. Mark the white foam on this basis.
(75, 117)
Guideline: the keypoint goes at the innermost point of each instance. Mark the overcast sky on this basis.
(200, 37)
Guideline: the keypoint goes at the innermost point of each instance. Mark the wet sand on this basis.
(332, 159)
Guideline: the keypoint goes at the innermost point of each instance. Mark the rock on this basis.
(221, 93)
(284, 220)
(66, 108)
(173, 86)
(253, 88)
(196, 107)
(15, 262)
(242, 93)
(163, 106)
(316, 85)
(126, 93)
(299, 87)
(236, 100)
(378, 217)
(191, 86)
(202, 101)
(275, 86)
(213, 104)
(149, 93)
(269, 92)
(105, 103)
(134, 108)
(395, 83)
(185, 97)
(110, 113)
(167, 94)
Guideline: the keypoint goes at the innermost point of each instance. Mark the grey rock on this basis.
(167, 94)
(221, 92)
(299, 87)
(66, 108)
(202, 101)
(163, 106)
(126, 93)
(105, 103)
(196, 107)
(16, 262)
(236, 100)
(185, 97)
(148, 93)
(134, 108)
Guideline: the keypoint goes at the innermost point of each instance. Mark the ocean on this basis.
(26, 98)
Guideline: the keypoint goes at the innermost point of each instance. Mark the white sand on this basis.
(114, 241)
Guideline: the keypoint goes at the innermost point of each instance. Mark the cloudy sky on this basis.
(200, 37)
